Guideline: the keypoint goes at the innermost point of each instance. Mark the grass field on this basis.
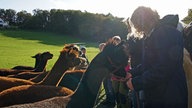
(17, 47)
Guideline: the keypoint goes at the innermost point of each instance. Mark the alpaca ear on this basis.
(64, 50)
(122, 49)
(74, 51)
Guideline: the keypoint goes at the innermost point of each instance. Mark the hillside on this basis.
(17, 47)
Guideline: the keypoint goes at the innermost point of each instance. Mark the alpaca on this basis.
(37, 61)
(188, 39)
(71, 74)
(41, 67)
(39, 77)
(71, 79)
(187, 64)
(68, 58)
(110, 60)
(33, 91)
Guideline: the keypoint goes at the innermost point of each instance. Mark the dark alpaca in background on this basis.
(41, 68)
(44, 57)
(37, 61)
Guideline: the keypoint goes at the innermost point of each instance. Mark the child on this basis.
(121, 90)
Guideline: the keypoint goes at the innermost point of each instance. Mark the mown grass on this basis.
(17, 47)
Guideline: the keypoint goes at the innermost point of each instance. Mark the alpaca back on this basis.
(31, 93)
(55, 102)
(6, 82)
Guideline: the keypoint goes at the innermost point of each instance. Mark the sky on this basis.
(119, 8)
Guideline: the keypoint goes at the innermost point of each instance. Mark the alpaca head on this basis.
(46, 56)
(135, 49)
(70, 54)
(37, 56)
(117, 55)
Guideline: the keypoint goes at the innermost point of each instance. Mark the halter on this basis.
(117, 68)
(113, 65)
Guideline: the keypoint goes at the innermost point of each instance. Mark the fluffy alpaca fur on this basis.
(71, 79)
(187, 64)
(6, 83)
(37, 61)
(31, 93)
(113, 58)
(68, 58)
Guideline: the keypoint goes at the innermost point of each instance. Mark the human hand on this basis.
(129, 84)
(128, 75)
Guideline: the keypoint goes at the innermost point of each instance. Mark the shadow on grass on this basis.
(46, 37)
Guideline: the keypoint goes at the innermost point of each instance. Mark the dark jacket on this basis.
(161, 74)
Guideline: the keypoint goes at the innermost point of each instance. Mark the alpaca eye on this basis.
(74, 48)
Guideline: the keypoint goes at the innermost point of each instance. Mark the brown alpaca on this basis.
(71, 79)
(39, 77)
(188, 38)
(111, 59)
(68, 58)
(187, 64)
(41, 67)
(33, 91)
(37, 61)
(71, 73)
(76, 74)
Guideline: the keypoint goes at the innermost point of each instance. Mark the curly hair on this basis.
(144, 19)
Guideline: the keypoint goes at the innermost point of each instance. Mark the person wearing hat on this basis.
(117, 39)
(83, 54)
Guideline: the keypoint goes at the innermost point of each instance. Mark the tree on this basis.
(22, 17)
(2, 13)
(9, 15)
(188, 18)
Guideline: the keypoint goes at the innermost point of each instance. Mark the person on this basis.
(83, 55)
(115, 89)
(117, 39)
(121, 92)
(101, 46)
(161, 75)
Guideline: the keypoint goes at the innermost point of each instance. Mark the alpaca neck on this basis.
(39, 77)
(89, 85)
(41, 66)
(56, 73)
(37, 62)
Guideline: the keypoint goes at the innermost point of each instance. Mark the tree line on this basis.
(89, 26)
(85, 25)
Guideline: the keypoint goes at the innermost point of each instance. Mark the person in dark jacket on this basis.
(161, 75)
(82, 54)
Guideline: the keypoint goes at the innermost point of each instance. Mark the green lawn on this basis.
(17, 47)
